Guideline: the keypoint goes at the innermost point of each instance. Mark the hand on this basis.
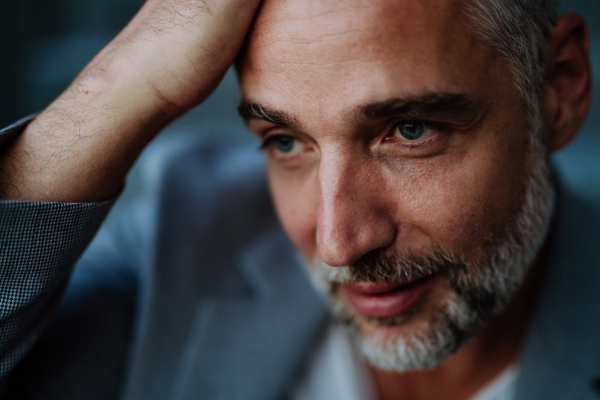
(182, 48)
(168, 59)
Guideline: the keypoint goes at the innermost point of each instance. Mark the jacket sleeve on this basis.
(83, 352)
(39, 244)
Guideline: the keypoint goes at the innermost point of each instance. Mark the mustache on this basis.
(384, 266)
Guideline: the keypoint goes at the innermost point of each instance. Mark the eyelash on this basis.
(438, 129)
(266, 142)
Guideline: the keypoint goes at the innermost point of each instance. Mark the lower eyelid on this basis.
(413, 145)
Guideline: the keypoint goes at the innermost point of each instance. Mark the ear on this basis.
(568, 88)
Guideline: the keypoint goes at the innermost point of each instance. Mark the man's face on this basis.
(396, 144)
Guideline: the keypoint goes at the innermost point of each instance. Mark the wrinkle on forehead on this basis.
(338, 53)
(318, 32)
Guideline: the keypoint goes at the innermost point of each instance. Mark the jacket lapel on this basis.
(253, 348)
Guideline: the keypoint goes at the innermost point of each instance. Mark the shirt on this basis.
(335, 372)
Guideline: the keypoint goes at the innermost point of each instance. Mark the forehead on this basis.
(340, 52)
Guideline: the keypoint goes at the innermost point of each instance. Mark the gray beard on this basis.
(480, 288)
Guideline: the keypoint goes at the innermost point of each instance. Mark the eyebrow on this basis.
(456, 107)
(249, 111)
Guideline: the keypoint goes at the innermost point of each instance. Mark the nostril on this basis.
(345, 242)
(340, 250)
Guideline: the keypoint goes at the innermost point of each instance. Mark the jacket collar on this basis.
(561, 355)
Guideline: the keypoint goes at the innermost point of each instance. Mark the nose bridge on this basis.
(353, 219)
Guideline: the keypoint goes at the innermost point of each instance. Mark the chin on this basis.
(422, 337)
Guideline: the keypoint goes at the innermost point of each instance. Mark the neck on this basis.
(496, 347)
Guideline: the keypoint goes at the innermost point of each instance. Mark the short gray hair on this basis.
(520, 30)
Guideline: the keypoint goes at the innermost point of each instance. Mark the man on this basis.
(407, 150)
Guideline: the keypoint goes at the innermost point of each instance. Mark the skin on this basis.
(352, 185)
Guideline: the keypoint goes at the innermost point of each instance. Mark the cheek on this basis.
(295, 197)
(464, 202)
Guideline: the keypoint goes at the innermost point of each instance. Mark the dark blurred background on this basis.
(46, 43)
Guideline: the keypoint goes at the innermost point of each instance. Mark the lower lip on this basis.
(390, 303)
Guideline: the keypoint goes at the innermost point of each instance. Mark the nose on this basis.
(353, 217)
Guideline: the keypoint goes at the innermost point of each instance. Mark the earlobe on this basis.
(567, 95)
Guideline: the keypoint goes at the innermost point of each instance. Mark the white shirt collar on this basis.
(335, 372)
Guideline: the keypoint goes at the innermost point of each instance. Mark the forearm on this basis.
(80, 148)
(167, 60)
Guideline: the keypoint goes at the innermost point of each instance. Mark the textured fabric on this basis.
(39, 243)
(83, 351)
(11, 131)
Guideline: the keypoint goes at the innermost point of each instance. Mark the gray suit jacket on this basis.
(197, 294)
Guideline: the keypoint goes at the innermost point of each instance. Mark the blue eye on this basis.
(411, 130)
(283, 147)
(284, 143)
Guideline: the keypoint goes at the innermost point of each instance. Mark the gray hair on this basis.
(520, 31)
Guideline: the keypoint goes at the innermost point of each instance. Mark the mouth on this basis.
(386, 299)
